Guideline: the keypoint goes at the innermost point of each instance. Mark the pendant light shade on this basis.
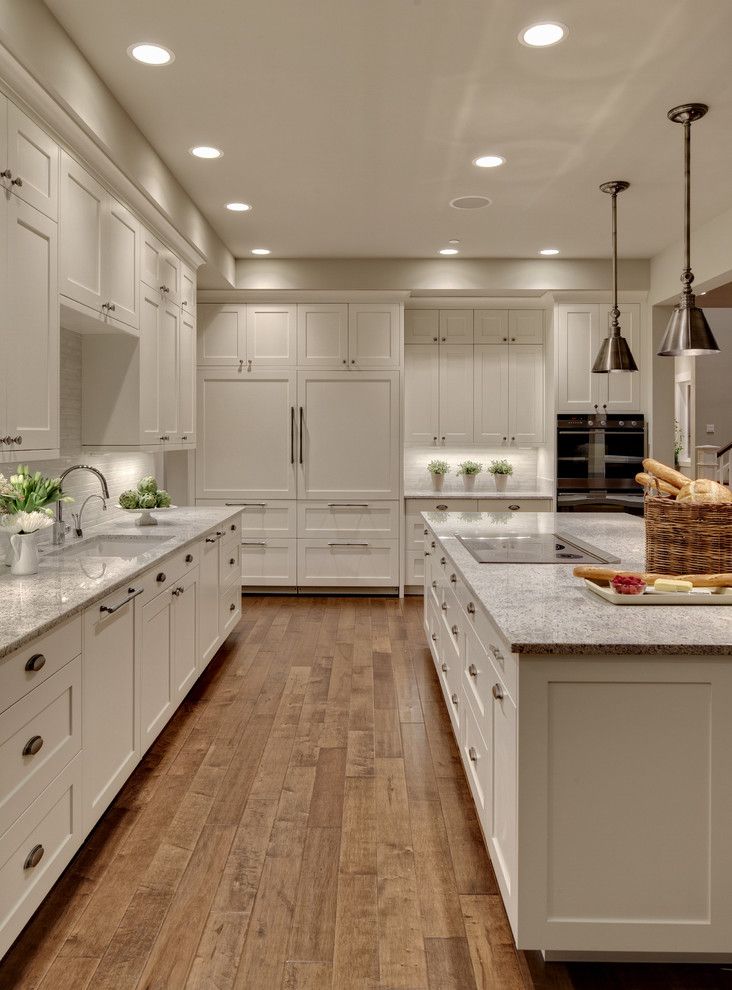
(688, 332)
(614, 353)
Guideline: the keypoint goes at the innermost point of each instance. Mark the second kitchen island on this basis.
(597, 741)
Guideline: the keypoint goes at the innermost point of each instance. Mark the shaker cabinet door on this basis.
(421, 394)
(83, 204)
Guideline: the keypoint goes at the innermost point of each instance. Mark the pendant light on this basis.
(688, 331)
(614, 353)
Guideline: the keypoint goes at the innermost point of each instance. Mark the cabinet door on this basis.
(491, 326)
(271, 336)
(456, 393)
(622, 391)
(456, 326)
(208, 600)
(33, 161)
(373, 336)
(187, 377)
(188, 290)
(491, 390)
(83, 204)
(526, 326)
(576, 348)
(184, 622)
(169, 271)
(222, 334)
(110, 701)
(247, 433)
(169, 384)
(526, 393)
(32, 336)
(121, 263)
(151, 253)
(421, 394)
(151, 429)
(349, 441)
(322, 335)
(503, 831)
(157, 691)
(421, 326)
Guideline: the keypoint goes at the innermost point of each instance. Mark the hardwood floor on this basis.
(303, 823)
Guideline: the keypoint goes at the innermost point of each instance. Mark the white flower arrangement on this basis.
(25, 522)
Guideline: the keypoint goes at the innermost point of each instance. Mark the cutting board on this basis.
(697, 596)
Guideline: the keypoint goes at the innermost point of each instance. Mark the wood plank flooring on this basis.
(303, 823)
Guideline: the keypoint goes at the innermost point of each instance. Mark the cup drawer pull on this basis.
(473, 754)
(473, 670)
(443, 667)
(33, 746)
(497, 692)
(471, 608)
(35, 662)
(455, 700)
(34, 857)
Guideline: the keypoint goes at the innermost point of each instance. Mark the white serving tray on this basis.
(697, 596)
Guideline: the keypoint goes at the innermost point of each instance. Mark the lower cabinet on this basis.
(208, 600)
(347, 563)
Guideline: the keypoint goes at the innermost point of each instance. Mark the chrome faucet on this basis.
(59, 527)
(76, 516)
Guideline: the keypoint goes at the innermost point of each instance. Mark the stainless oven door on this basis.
(601, 501)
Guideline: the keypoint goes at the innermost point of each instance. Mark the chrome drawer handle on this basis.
(473, 670)
(254, 543)
(454, 699)
(348, 505)
(249, 505)
(33, 746)
(497, 692)
(471, 608)
(472, 754)
(442, 507)
(443, 668)
(111, 609)
(514, 508)
(233, 527)
(453, 579)
(35, 662)
(444, 606)
(348, 544)
(34, 857)
(455, 630)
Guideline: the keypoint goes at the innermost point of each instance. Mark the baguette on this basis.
(650, 481)
(594, 572)
(665, 473)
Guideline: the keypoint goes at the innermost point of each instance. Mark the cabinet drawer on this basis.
(344, 563)
(478, 766)
(167, 572)
(514, 504)
(272, 517)
(437, 504)
(414, 560)
(230, 562)
(269, 562)
(37, 661)
(229, 608)
(417, 532)
(344, 519)
(38, 736)
(495, 646)
(51, 829)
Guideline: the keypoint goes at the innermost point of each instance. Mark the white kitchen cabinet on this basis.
(99, 261)
(271, 335)
(161, 269)
(111, 686)
(421, 394)
(347, 563)
(169, 370)
(526, 393)
(322, 335)
(491, 393)
(187, 377)
(157, 688)
(188, 290)
(421, 326)
(456, 394)
(247, 434)
(491, 326)
(222, 334)
(268, 562)
(373, 336)
(504, 810)
(31, 158)
(208, 600)
(526, 326)
(346, 520)
(348, 442)
(456, 326)
(622, 392)
(184, 619)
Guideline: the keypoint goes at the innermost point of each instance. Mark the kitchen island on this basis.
(597, 742)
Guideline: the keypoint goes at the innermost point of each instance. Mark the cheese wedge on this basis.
(672, 584)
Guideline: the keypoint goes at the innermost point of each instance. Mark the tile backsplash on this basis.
(525, 461)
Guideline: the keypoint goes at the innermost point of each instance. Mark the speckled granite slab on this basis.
(68, 581)
(544, 609)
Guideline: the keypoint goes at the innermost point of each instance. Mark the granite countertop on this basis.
(544, 609)
(540, 491)
(68, 581)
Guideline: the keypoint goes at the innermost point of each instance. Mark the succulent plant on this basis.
(438, 467)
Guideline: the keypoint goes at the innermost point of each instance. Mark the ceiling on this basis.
(351, 124)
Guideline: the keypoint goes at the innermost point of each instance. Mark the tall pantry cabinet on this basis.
(299, 424)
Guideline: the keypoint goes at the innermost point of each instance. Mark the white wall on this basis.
(711, 260)
(714, 383)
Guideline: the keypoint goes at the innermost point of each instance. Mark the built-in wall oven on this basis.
(598, 457)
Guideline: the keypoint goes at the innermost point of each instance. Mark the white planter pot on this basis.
(501, 481)
(24, 553)
(438, 480)
(469, 482)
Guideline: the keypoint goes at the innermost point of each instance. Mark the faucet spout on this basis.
(59, 527)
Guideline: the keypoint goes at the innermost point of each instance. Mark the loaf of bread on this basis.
(665, 473)
(649, 481)
(705, 491)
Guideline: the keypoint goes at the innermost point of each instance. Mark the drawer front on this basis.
(478, 679)
(478, 766)
(415, 561)
(494, 645)
(269, 517)
(169, 571)
(54, 823)
(452, 615)
(33, 664)
(38, 736)
(229, 608)
(416, 531)
(515, 505)
(343, 563)
(416, 505)
(268, 562)
(230, 561)
(342, 520)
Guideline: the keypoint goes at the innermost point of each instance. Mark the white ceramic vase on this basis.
(469, 482)
(501, 481)
(24, 554)
(438, 480)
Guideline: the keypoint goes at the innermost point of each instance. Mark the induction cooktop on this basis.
(533, 548)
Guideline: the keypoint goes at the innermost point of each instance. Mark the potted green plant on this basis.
(438, 469)
(469, 471)
(501, 471)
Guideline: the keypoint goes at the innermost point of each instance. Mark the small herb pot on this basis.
(501, 481)
(469, 482)
(438, 480)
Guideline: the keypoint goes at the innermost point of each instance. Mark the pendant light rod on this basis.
(613, 188)
(614, 353)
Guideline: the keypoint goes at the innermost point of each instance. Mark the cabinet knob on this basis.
(497, 655)
(432, 544)
(473, 670)
(232, 560)
(233, 527)
(455, 630)
(161, 577)
(434, 339)
(189, 558)
(455, 700)
(353, 360)
(427, 553)
(210, 539)
(443, 667)
(232, 607)
(34, 857)
(345, 361)
(453, 579)
(35, 662)
(443, 339)
(434, 584)
(444, 606)
(471, 608)
(33, 746)
(425, 532)
(434, 637)
(184, 438)
(17, 440)
(505, 340)
(442, 507)
(497, 691)
(6, 174)
(473, 755)
(219, 532)
(17, 181)
(443, 561)
(513, 340)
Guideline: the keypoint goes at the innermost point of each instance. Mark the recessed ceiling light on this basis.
(470, 202)
(238, 207)
(206, 151)
(549, 251)
(489, 161)
(448, 250)
(150, 54)
(543, 35)
(261, 251)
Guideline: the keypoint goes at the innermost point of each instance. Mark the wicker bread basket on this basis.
(687, 537)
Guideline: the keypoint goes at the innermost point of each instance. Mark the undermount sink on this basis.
(125, 547)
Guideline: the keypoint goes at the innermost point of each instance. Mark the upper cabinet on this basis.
(421, 326)
(580, 329)
(249, 336)
(373, 336)
(222, 334)
(491, 326)
(188, 290)
(509, 326)
(28, 160)
(99, 264)
(322, 335)
(161, 269)
(271, 335)
(456, 326)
